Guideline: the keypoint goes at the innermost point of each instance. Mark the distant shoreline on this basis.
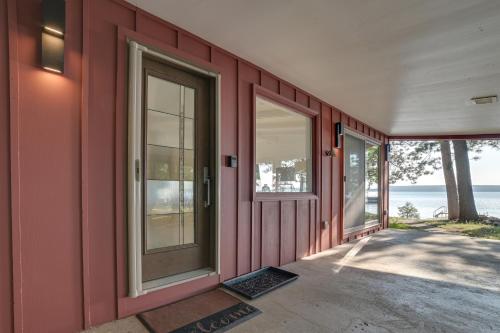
(440, 188)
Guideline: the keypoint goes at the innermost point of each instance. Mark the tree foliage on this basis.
(408, 211)
(410, 160)
(476, 147)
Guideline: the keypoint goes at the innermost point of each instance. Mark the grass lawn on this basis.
(471, 229)
(398, 223)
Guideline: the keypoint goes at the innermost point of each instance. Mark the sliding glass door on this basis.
(361, 183)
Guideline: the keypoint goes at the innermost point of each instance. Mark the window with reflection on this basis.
(283, 149)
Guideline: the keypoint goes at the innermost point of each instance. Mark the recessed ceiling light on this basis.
(484, 99)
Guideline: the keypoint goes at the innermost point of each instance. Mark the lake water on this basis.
(487, 203)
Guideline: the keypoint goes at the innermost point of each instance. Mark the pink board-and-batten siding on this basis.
(5, 219)
(63, 222)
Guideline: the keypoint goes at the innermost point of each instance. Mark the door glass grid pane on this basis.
(162, 231)
(163, 95)
(188, 197)
(170, 176)
(163, 163)
(188, 228)
(188, 165)
(162, 197)
(163, 129)
(189, 102)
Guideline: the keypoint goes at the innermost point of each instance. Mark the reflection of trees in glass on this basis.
(301, 171)
(354, 174)
(264, 168)
(285, 174)
(370, 216)
(291, 171)
(372, 155)
(372, 166)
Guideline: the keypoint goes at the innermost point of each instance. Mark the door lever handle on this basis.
(206, 182)
(137, 170)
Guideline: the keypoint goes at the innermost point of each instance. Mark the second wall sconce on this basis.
(339, 132)
(387, 148)
(53, 31)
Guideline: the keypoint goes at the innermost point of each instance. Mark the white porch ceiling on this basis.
(405, 67)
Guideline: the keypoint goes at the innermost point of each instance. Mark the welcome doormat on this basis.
(215, 311)
(255, 284)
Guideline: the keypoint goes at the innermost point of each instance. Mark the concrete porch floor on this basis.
(393, 281)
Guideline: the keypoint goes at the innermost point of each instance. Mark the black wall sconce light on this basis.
(339, 132)
(387, 151)
(53, 31)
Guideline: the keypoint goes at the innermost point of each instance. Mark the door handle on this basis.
(137, 170)
(206, 182)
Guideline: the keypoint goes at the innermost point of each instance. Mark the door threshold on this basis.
(176, 279)
(368, 225)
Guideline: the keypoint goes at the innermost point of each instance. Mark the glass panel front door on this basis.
(178, 225)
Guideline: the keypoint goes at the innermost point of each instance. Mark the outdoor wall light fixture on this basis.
(53, 30)
(387, 148)
(484, 100)
(339, 131)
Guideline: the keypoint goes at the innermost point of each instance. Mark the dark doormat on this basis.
(255, 284)
(214, 311)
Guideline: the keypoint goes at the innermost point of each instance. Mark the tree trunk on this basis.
(467, 205)
(450, 181)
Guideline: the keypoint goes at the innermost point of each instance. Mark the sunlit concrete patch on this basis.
(351, 254)
(465, 261)
(392, 282)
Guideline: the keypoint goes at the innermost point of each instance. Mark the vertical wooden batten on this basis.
(6, 303)
(87, 320)
(14, 166)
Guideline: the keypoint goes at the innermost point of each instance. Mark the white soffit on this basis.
(406, 67)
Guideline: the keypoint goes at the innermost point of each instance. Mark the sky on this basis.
(485, 171)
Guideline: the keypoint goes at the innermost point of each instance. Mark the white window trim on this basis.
(134, 174)
(313, 162)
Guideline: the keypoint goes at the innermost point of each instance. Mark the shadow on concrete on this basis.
(399, 281)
